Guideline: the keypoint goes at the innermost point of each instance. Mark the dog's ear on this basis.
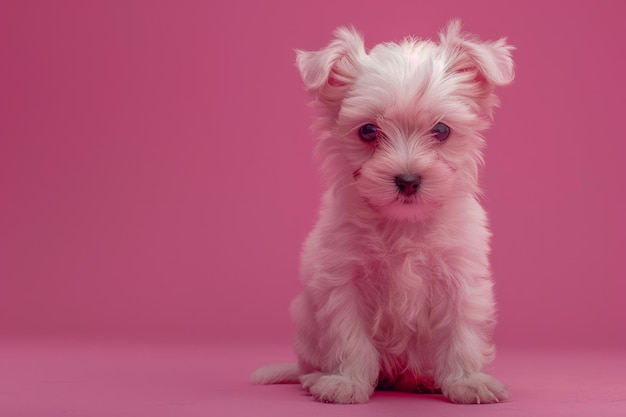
(328, 72)
(488, 63)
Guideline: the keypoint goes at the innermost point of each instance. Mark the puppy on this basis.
(397, 286)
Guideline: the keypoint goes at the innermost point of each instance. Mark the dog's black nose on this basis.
(408, 183)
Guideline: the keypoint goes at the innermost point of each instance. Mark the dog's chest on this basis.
(400, 285)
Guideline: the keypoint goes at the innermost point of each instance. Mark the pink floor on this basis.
(113, 379)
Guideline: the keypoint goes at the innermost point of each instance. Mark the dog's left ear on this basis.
(490, 63)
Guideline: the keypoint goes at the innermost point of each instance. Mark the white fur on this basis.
(397, 289)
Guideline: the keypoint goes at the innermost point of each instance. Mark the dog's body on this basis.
(397, 287)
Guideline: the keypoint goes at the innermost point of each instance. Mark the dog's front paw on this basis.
(478, 388)
(308, 380)
(340, 389)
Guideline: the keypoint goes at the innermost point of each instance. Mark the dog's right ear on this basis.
(328, 72)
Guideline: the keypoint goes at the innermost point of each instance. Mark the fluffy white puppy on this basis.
(397, 286)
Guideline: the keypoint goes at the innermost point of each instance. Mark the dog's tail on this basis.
(280, 373)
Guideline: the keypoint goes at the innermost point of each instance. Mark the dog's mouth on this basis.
(402, 207)
(400, 199)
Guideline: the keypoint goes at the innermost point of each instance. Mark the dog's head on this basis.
(403, 122)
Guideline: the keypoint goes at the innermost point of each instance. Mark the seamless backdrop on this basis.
(157, 178)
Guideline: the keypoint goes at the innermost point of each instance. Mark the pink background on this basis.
(157, 181)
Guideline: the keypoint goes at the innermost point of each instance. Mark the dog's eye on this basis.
(441, 132)
(368, 132)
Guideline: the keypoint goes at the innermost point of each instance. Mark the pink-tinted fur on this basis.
(397, 288)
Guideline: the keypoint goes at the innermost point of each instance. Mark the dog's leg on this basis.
(465, 349)
(349, 361)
